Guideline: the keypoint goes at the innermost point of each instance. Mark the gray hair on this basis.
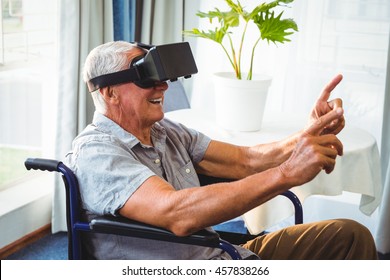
(107, 58)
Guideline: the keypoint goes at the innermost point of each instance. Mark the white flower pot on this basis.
(240, 104)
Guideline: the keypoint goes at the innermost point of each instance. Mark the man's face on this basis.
(139, 105)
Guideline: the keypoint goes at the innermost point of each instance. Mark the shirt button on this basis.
(188, 170)
(157, 161)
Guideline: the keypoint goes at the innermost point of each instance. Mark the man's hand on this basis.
(323, 106)
(315, 151)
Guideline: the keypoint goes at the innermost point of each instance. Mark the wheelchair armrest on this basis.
(127, 227)
(206, 180)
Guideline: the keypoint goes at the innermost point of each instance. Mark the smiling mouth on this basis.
(156, 101)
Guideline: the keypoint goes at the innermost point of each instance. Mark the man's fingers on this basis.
(331, 148)
(324, 121)
(328, 150)
(335, 103)
(329, 167)
(330, 87)
(335, 127)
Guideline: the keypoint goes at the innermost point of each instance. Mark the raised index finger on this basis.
(330, 87)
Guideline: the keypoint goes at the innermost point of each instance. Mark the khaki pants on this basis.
(325, 240)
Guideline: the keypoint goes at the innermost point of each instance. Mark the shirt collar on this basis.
(108, 126)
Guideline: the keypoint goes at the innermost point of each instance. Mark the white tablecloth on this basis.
(357, 171)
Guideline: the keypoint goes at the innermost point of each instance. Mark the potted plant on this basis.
(272, 28)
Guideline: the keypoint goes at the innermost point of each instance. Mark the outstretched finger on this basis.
(330, 87)
(324, 121)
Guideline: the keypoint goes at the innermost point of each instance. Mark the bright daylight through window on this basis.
(28, 38)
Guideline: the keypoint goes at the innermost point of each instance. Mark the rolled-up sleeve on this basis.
(108, 174)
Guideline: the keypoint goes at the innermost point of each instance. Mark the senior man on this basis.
(133, 162)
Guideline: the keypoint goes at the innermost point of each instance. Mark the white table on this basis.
(357, 171)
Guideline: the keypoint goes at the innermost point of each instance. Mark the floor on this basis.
(50, 247)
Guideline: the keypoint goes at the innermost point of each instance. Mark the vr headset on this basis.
(158, 64)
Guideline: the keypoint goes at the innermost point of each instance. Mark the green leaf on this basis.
(274, 28)
(225, 21)
(216, 35)
(230, 18)
(237, 9)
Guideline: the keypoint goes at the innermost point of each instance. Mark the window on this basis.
(27, 84)
(347, 36)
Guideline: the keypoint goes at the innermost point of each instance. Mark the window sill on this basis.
(25, 207)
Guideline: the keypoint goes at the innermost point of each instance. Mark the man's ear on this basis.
(110, 95)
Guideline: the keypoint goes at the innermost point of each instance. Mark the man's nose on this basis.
(161, 85)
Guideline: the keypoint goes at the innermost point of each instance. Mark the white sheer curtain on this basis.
(383, 233)
(335, 36)
(162, 21)
(351, 37)
(83, 25)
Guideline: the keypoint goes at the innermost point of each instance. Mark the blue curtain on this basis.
(124, 13)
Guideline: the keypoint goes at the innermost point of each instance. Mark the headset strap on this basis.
(116, 78)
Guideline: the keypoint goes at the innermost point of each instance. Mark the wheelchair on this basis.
(126, 227)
